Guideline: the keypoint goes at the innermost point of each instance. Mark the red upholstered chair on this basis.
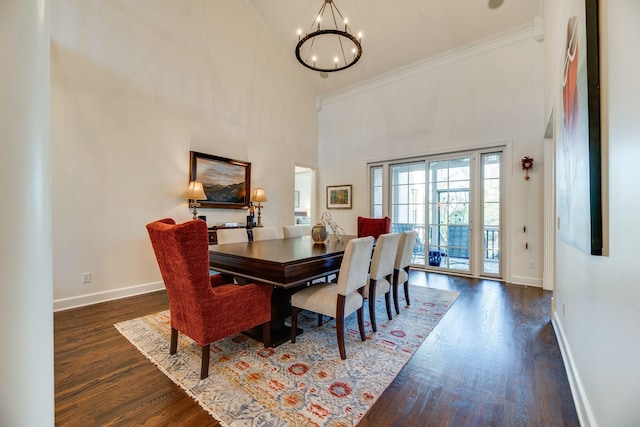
(373, 227)
(203, 307)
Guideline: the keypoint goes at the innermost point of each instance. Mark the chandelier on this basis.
(329, 45)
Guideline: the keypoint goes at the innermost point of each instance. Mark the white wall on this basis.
(487, 94)
(135, 86)
(599, 329)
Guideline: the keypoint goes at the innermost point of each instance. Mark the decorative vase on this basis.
(319, 233)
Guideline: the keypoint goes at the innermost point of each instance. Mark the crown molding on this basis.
(514, 35)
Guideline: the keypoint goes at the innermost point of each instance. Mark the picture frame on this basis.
(339, 197)
(578, 156)
(226, 182)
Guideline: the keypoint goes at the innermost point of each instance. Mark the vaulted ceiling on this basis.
(396, 33)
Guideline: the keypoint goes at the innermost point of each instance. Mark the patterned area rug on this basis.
(301, 384)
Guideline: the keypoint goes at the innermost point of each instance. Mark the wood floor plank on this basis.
(492, 360)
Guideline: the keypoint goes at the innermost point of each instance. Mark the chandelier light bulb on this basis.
(359, 34)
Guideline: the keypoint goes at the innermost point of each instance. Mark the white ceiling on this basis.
(396, 33)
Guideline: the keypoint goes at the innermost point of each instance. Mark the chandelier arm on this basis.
(335, 9)
(344, 57)
(313, 41)
(315, 20)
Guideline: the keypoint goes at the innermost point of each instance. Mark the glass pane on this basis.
(395, 193)
(492, 171)
(401, 214)
(491, 190)
(408, 194)
(459, 185)
(377, 211)
(377, 176)
(377, 195)
(492, 214)
(449, 208)
(442, 175)
(400, 175)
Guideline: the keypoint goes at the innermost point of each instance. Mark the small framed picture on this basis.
(339, 197)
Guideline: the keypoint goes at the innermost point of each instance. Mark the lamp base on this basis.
(259, 224)
(194, 205)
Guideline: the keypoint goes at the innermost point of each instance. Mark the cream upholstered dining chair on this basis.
(264, 233)
(381, 273)
(341, 298)
(291, 231)
(232, 235)
(401, 267)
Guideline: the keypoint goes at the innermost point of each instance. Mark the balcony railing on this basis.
(454, 245)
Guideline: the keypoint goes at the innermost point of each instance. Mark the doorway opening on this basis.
(303, 196)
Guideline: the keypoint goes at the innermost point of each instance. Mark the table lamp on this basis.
(193, 194)
(259, 197)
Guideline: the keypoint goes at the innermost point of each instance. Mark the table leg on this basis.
(280, 310)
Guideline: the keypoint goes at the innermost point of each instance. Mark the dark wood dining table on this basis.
(285, 264)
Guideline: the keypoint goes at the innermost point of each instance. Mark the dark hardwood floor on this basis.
(493, 360)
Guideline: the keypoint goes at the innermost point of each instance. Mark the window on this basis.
(452, 201)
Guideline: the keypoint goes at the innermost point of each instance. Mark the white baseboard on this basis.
(97, 297)
(526, 281)
(585, 415)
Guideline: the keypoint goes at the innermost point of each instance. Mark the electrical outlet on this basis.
(532, 265)
(86, 277)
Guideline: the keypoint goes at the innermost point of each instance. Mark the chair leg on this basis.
(266, 334)
(406, 292)
(294, 323)
(406, 287)
(340, 326)
(387, 301)
(319, 319)
(395, 291)
(173, 348)
(361, 324)
(372, 304)
(204, 367)
(361, 315)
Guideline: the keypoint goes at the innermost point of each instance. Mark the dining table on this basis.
(286, 264)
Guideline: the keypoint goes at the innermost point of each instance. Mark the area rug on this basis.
(301, 384)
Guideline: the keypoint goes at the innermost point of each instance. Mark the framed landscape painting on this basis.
(578, 145)
(226, 182)
(339, 197)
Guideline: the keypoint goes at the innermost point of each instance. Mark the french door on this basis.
(454, 202)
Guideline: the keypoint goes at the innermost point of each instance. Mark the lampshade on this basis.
(258, 195)
(195, 191)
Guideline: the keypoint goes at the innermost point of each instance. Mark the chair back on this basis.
(373, 226)
(264, 233)
(291, 231)
(182, 252)
(405, 249)
(232, 235)
(355, 265)
(384, 256)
